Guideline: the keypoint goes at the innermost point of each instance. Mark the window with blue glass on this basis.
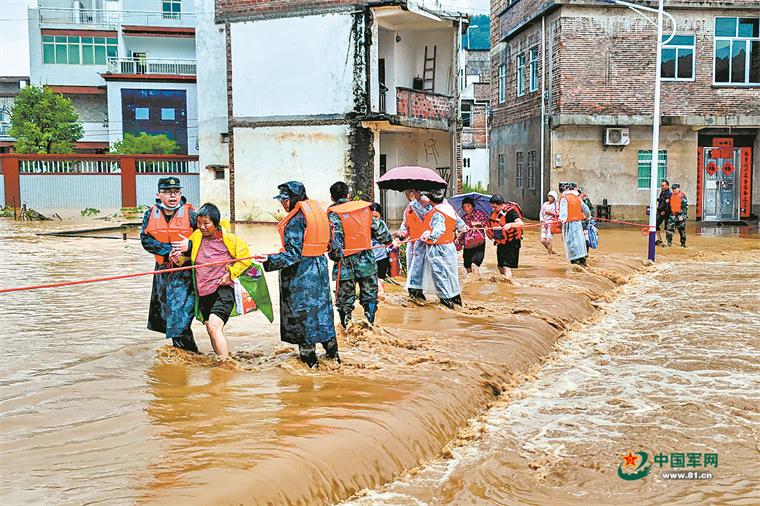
(737, 51)
(644, 171)
(172, 9)
(678, 58)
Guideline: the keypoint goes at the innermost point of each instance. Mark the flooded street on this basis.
(96, 409)
(671, 367)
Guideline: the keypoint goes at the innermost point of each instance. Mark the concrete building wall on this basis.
(115, 125)
(408, 148)
(522, 136)
(212, 107)
(306, 68)
(14, 39)
(577, 155)
(475, 167)
(268, 156)
(410, 58)
(160, 47)
(188, 6)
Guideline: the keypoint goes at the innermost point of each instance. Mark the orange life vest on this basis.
(450, 224)
(676, 201)
(167, 232)
(317, 233)
(356, 218)
(574, 207)
(496, 222)
(414, 224)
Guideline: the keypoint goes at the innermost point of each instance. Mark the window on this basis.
(645, 167)
(500, 165)
(678, 58)
(167, 114)
(521, 75)
(172, 9)
(519, 163)
(502, 83)
(534, 69)
(737, 51)
(219, 174)
(466, 115)
(531, 170)
(76, 50)
(142, 113)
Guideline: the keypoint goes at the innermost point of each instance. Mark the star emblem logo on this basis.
(630, 459)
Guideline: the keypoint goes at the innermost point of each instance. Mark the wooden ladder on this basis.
(428, 75)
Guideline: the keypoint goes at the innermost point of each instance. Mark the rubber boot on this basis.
(308, 355)
(331, 350)
(345, 317)
(683, 244)
(185, 342)
(448, 303)
(369, 312)
(417, 294)
(457, 299)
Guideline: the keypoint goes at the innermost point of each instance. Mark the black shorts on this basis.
(474, 256)
(383, 266)
(221, 303)
(508, 255)
(661, 219)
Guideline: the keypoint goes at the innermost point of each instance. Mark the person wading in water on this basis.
(165, 229)
(353, 231)
(306, 309)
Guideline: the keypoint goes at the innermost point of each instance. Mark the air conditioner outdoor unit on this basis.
(616, 137)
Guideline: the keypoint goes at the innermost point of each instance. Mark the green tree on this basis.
(43, 121)
(145, 144)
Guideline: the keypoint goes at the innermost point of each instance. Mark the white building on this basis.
(127, 65)
(323, 92)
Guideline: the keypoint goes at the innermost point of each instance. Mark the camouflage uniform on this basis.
(677, 220)
(359, 268)
(172, 298)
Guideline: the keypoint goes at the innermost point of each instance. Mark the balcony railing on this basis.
(113, 18)
(424, 105)
(151, 66)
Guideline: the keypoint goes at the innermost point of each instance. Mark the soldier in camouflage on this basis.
(359, 268)
(677, 218)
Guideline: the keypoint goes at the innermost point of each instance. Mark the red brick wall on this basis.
(257, 9)
(475, 136)
(421, 105)
(608, 66)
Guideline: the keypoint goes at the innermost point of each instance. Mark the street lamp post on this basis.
(655, 113)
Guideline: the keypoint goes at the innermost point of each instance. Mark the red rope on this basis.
(644, 229)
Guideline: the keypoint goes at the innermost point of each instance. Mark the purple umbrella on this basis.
(404, 178)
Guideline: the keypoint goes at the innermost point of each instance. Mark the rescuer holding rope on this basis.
(353, 230)
(166, 227)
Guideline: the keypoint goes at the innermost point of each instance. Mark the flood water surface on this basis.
(97, 409)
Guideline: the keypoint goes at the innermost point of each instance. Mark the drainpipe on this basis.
(543, 104)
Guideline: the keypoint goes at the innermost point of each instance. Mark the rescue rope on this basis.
(234, 260)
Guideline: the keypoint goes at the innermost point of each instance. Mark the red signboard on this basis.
(700, 162)
(745, 185)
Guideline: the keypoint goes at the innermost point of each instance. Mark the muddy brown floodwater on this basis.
(511, 400)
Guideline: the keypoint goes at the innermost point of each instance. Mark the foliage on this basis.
(145, 144)
(90, 211)
(466, 188)
(43, 121)
(479, 33)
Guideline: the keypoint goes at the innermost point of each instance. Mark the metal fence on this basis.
(151, 66)
(70, 191)
(113, 18)
(167, 167)
(69, 166)
(147, 184)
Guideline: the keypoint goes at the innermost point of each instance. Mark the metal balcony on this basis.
(113, 18)
(152, 66)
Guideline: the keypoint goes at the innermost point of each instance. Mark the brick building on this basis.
(475, 104)
(321, 91)
(594, 65)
